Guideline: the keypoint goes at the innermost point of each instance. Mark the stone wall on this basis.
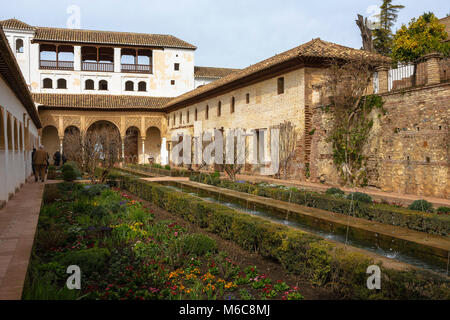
(408, 147)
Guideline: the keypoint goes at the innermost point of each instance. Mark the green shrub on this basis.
(69, 173)
(92, 191)
(89, 260)
(359, 196)
(167, 167)
(421, 205)
(99, 212)
(197, 244)
(443, 210)
(333, 191)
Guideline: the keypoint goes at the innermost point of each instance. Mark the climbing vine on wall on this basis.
(351, 109)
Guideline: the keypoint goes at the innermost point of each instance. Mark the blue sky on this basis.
(229, 33)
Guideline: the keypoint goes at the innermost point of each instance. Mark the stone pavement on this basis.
(18, 222)
(404, 199)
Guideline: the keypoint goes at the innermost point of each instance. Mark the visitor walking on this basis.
(57, 158)
(40, 160)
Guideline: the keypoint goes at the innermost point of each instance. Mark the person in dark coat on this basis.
(57, 158)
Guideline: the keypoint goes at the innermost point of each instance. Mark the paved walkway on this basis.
(18, 222)
(404, 199)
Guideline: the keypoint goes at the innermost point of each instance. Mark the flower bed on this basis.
(299, 252)
(416, 220)
(124, 253)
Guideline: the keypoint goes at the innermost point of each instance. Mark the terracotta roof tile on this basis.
(98, 101)
(110, 38)
(99, 37)
(15, 24)
(314, 49)
(210, 72)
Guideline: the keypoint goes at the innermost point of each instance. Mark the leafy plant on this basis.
(421, 205)
(89, 260)
(359, 196)
(335, 191)
(197, 244)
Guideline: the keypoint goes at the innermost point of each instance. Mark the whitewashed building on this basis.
(19, 124)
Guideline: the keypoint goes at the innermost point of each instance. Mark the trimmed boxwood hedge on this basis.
(159, 171)
(299, 252)
(416, 220)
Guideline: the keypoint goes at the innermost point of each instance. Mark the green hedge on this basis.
(159, 171)
(421, 221)
(299, 252)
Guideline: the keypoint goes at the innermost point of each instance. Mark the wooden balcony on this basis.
(55, 65)
(136, 68)
(97, 66)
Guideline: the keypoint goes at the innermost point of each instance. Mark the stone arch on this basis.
(72, 149)
(152, 145)
(2, 130)
(50, 140)
(90, 121)
(131, 144)
(98, 126)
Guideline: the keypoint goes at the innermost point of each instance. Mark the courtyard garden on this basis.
(124, 252)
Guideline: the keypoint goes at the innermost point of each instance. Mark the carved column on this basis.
(143, 149)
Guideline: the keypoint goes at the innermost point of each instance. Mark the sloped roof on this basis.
(10, 71)
(314, 50)
(99, 37)
(110, 38)
(99, 102)
(15, 24)
(211, 72)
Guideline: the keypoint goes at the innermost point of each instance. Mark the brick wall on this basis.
(408, 148)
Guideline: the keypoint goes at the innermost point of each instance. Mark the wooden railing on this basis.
(97, 66)
(136, 68)
(55, 65)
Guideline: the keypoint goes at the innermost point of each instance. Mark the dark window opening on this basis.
(233, 101)
(103, 85)
(196, 115)
(219, 109)
(187, 116)
(247, 98)
(207, 113)
(172, 82)
(19, 46)
(89, 84)
(48, 83)
(280, 85)
(129, 86)
(142, 86)
(177, 67)
(62, 84)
